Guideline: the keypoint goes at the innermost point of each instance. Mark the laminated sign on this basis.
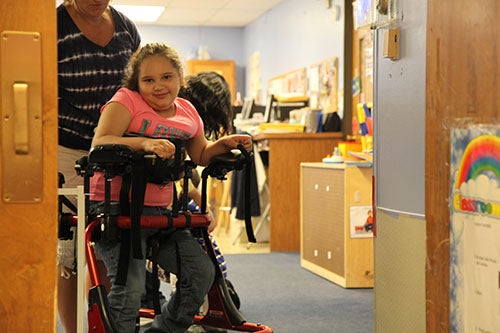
(475, 229)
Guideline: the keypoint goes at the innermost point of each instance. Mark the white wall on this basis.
(294, 34)
(222, 44)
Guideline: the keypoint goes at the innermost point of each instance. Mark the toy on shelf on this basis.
(365, 125)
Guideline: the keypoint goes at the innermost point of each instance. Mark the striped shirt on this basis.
(89, 75)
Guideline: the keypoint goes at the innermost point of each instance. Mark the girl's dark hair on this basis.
(210, 94)
(131, 79)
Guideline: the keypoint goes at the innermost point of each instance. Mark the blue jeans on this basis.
(196, 276)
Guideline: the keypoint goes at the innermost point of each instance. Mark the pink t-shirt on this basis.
(186, 124)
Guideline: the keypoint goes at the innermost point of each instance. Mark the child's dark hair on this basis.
(131, 79)
(210, 94)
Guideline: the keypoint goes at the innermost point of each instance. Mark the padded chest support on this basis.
(137, 169)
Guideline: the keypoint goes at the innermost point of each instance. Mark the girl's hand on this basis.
(161, 147)
(232, 141)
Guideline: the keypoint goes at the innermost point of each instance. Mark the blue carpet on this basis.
(276, 291)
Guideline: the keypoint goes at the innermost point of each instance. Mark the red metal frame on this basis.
(221, 313)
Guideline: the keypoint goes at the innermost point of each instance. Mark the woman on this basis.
(94, 45)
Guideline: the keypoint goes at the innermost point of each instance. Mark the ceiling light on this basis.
(141, 13)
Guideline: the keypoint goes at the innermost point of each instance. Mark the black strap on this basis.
(177, 299)
(123, 259)
(187, 215)
(124, 194)
(131, 238)
(248, 214)
(188, 175)
(110, 222)
(155, 281)
(139, 182)
(175, 201)
(170, 219)
(65, 201)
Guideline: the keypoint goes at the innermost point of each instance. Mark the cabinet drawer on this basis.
(323, 218)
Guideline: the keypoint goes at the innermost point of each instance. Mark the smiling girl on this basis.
(148, 105)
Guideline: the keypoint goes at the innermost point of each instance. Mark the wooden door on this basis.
(28, 230)
(462, 87)
(226, 68)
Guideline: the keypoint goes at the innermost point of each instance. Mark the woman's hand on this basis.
(163, 148)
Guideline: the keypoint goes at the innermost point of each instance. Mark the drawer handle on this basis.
(316, 187)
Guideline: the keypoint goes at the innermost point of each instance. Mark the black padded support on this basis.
(99, 309)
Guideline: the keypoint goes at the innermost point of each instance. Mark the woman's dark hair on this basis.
(210, 94)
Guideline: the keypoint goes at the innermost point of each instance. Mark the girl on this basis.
(148, 105)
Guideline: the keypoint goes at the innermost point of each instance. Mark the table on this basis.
(286, 152)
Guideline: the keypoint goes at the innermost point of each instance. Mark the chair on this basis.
(118, 160)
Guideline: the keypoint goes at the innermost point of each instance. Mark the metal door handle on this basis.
(21, 138)
(21, 109)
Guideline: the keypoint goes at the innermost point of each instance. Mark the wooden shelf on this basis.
(226, 68)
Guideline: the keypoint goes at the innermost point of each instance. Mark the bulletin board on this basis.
(323, 85)
(291, 84)
(374, 13)
(366, 65)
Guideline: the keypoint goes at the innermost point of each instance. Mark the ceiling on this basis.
(222, 13)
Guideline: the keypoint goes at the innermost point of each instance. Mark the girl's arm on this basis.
(115, 121)
(202, 151)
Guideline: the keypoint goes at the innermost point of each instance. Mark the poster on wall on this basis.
(361, 218)
(255, 90)
(289, 85)
(323, 85)
(374, 13)
(475, 229)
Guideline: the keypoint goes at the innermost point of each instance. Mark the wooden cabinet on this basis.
(226, 68)
(327, 193)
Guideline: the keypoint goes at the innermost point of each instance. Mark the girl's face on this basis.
(159, 84)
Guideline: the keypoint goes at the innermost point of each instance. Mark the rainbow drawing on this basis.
(481, 155)
(474, 228)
